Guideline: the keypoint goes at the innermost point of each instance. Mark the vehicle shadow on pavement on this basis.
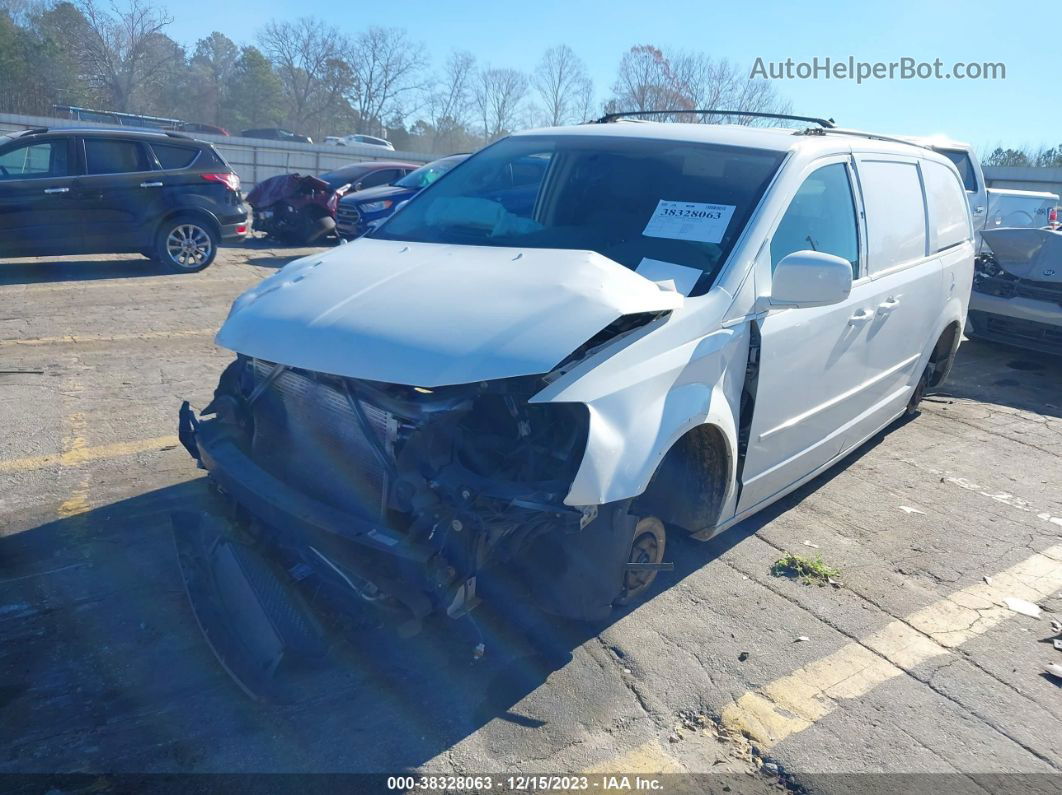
(104, 667)
(991, 373)
(42, 271)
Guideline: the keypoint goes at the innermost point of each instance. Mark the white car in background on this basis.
(364, 140)
(992, 208)
(582, 339)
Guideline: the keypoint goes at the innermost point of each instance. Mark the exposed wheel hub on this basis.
(647, 548)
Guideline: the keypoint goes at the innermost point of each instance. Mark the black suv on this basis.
(89, 191)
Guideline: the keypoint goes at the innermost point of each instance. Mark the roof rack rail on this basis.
(610, 117)
(862, 134)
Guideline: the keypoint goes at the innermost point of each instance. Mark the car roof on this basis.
(109, 132)
(778, 139)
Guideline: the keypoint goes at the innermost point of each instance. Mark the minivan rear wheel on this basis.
(186, 244)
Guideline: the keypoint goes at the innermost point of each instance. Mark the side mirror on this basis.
(810, 278)
(357, 186)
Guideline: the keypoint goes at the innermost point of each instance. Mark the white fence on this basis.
(253, 159)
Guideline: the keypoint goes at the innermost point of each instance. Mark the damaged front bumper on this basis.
(393, 497)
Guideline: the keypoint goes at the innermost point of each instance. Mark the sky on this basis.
(1021, 110)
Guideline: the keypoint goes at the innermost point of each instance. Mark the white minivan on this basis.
(581, 340)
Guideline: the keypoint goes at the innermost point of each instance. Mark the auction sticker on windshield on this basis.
(704, 223)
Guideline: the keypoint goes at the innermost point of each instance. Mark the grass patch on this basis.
(808, 571)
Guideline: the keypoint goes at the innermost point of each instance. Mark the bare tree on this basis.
(499, 95)
(563, 86)
(648, 79)
(305, 54)
(386, 68)
(449, 100)
(645, 81)
(120, 50)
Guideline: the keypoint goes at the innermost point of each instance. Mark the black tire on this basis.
(582, 575)
(316, 229)
(647, 546)
(919, 391)
(186, 244)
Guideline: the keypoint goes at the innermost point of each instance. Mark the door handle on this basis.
(860, 317)
(889, 304)
(57, 190)
(150, 184)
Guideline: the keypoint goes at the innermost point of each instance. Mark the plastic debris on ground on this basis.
(1022, 606)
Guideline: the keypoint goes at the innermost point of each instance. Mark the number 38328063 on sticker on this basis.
(704, 223)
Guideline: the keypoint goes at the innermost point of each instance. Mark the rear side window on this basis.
(821, 217)
(171, 156)
(964, 165)
(35, 161)
(949, 222)
(113, 156)
(896, 213)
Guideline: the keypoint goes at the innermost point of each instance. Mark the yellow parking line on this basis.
(793, 703)
(85, 455)
(648, 758)
(76, 339)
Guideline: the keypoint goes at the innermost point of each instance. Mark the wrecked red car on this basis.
(301, 209)
(294, 208)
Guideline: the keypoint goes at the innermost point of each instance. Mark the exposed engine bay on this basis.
(435, 485)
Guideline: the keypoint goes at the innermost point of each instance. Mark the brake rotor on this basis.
(647, 547)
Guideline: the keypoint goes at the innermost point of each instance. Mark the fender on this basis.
(644, 397)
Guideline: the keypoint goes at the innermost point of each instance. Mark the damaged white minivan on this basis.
(579, 341)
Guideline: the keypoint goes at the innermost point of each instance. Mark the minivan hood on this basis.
(428, 314)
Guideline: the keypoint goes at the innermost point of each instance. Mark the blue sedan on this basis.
(357, 211)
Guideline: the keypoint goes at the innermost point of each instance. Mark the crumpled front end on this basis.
(1017, 290)
(395, 495)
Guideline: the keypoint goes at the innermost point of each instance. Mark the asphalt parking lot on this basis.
(911, 665)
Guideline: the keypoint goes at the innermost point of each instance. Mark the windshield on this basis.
(425, 175)
(632, 200)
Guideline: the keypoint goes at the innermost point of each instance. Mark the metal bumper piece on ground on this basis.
(249, 611)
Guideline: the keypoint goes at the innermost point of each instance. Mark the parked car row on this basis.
(369, 205)
(137, 120)
(301, 209)
(175, 200)
(141, 121)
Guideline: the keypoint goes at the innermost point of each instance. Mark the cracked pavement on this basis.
(912, 666)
